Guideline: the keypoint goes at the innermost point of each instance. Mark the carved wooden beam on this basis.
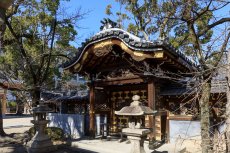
(119, 81)
(103, 48)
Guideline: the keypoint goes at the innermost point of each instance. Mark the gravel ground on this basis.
(17, 129)
(16, 126)
(14, 143)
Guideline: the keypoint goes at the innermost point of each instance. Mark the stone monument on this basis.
(135, 133)
(40, 143)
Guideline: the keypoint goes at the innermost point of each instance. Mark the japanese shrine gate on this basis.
(120, 65)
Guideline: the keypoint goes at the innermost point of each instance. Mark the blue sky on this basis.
(91, 23)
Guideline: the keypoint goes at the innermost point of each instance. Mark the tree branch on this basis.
(8, 42)
(223, 20)
(222, 50)
(202, 12)
(15, 9)
(51, 49)
(61, 55)
(22, 50)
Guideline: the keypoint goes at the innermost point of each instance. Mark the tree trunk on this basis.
(2, 30)
(228, 108)
(36, 95)
(205, 118)
(2, 133)
(19, 107)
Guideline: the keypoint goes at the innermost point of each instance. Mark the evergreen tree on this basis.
(3, 6)
(37, 39)
(190, 25)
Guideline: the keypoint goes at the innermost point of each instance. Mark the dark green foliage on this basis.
(37, 40)
(54, 133)
(11, 104)
(108, 10)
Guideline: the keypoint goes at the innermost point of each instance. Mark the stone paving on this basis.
(113, 146)
(21, 124)
(17, 121)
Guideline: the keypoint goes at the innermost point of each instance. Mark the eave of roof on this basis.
(217, 87)
(11, 85)
(133, 42)
(75, 98)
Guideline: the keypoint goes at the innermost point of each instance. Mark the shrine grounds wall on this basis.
(187, 130)
(183, 130)
(101, 124)
(72, 124)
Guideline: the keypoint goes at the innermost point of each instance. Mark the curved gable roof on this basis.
(9, 83)
(132, 42)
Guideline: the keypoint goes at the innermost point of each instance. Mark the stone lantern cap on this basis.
(41, 109)
(135, 109)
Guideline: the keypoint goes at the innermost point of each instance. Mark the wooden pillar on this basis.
(4, 102)
(167, 128)
(151, 95)
(152, 105)
(92, 110)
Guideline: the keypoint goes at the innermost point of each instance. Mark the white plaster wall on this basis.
(184, 130)
(72, 124)
(101, 119)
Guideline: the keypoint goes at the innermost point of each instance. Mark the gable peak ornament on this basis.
(107, 24)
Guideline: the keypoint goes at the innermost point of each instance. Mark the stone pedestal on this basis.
(137, 144)
(40, 143)
(136, 136)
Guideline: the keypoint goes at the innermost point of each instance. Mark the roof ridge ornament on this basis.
(136, 101)
(163, 39)
(107, 24)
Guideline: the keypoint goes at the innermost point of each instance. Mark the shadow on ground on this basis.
(12, 143)
(160, 152)
(18, 148)
(9, 116)
(76, 150)
(12, 148)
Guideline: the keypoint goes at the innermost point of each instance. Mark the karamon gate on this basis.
(120, 65)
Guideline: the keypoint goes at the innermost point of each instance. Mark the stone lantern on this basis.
(135, 133)
(40, 143)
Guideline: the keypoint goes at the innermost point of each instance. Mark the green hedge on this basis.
(11, 104)
(54, 133)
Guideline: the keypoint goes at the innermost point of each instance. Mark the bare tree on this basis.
(193, 25)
